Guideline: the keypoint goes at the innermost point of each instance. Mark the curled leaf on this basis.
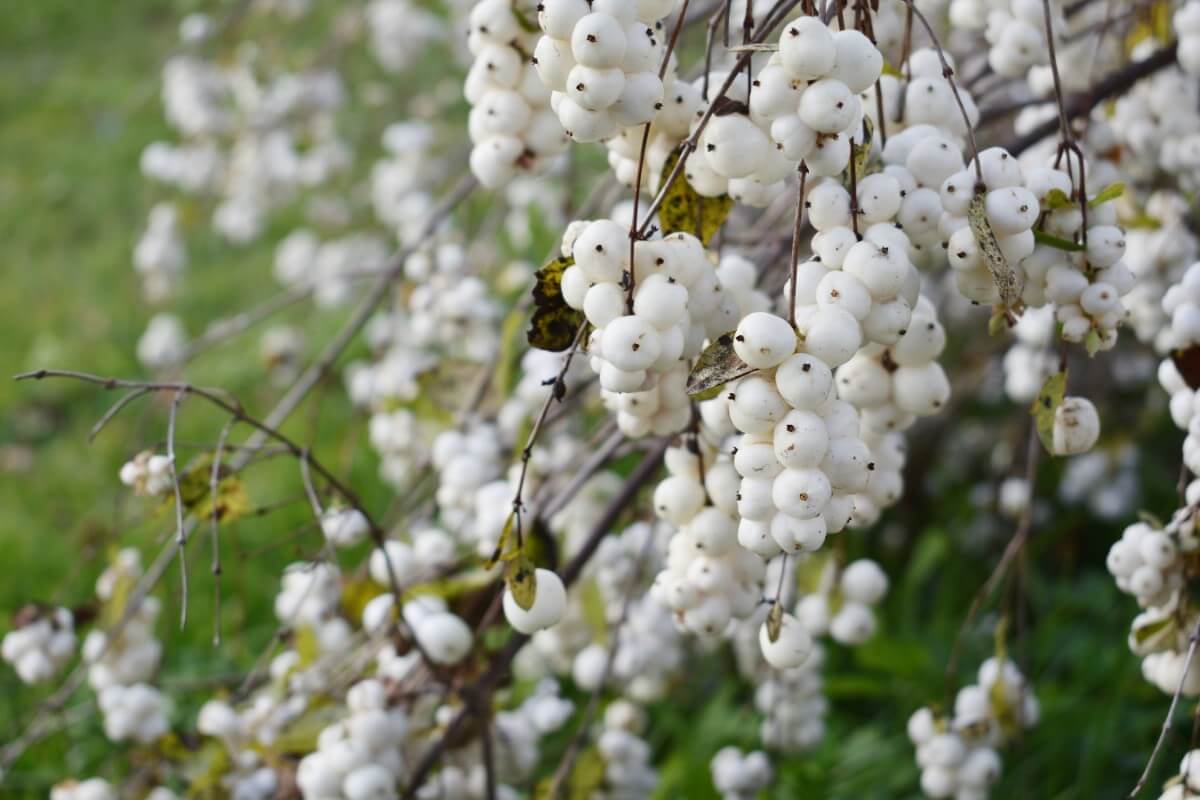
(502, 551)
(775, 621)
(554, 323)
(1003, 275)
(1046, 404)
(683, 209)
(1056, 200)
(717, 365)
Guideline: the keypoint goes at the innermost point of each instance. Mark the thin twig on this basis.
(1166, 726)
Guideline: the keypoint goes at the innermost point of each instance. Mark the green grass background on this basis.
(78, 101)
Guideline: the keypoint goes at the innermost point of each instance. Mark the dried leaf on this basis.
(775, 621)
(521, 578)
(1046, 404)
(1003, 275)
(195, 488)
(1187, 362)
(683, 209)
(717, 365)
(554, 323)
(1110, 192)
(1041, 237)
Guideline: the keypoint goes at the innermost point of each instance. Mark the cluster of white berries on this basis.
(40, 646)
(628, 771)
(843, 604)
(642, 356)
(466, 461)
(399, 31)
(601, 63)
(1029, 361)
(808, 94)
(358, 757)
(160, 255)
(1146, 563)
(1187, 783)
(131, 656)
(708, 579)
(1186, 23)
(1158, 258)
(958, 754)
(329, 268)
(1016, 32)
(736, 155)
(136, 712)
(856, 290)
(800, 455)
(892, 386)
(164, 343)
(671, 124)
(740, 776)
(344, 527)
(511, 125)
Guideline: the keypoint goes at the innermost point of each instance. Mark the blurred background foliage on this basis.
(79, 100)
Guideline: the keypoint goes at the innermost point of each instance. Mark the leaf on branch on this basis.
(717, 365)
(1187, 362)
(1003, 275)
(521, 578)
(1056, 200)
(1092, 342)
(307, 645)
(1041, 237)
(357, 592)
(503, 552)
(860, 154)
(683, 209)
(195, 488)
(1110, 192)
(775, 621)
(1045, 406)
(554, 323)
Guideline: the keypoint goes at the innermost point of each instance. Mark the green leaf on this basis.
(998, 323)
(583, 782)
(775, 621)
(860, 153)
(504, 376)
(1055, 200)
(521, 578)
(683, 209)
(1003, 275)
(356, 593)
(1046, 404)
(1092, 342)
(1110, 192)
(717, 365)
(307, 645)
(554, 323)
(1041, 237)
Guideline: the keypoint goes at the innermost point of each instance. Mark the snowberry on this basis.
(549, 603)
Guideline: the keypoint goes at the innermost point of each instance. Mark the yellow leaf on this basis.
(684, 209)
(356, 593)
(521, 579)
(307, 645)
(502, 551)
(1048, 400)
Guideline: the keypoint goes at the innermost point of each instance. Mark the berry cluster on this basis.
(137, 712)
(511, 125)
(41, 644)
(740, 776)
(958, 754)
(800, 455)
(601, 63)
(809, 93)
(358, 757)
(132, 656)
